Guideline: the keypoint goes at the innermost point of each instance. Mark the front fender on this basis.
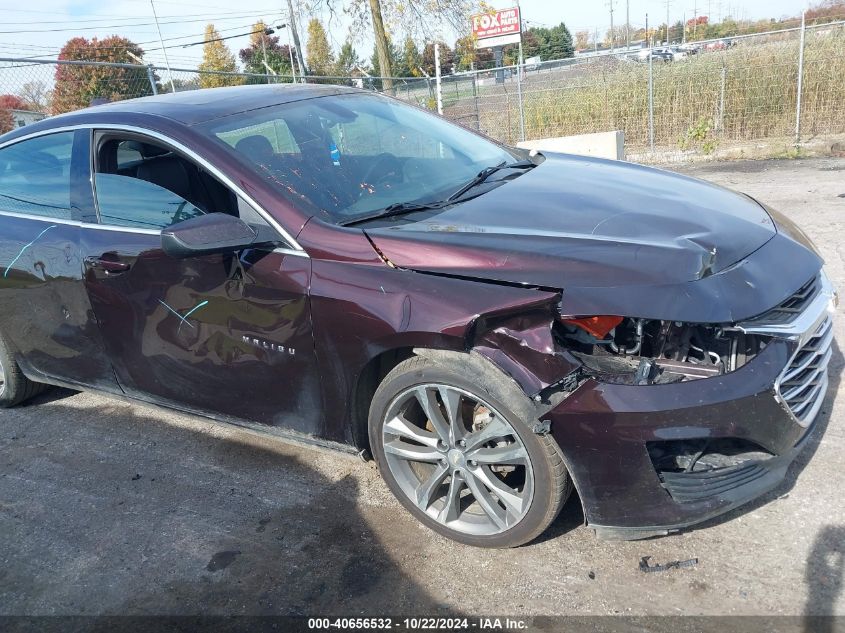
(524, 348)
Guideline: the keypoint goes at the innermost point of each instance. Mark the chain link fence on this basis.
(730, 93)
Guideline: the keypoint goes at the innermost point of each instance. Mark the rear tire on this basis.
(452, 450)
(15, 388)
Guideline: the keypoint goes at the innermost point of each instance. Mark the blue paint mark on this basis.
(190, 312)
(184, 319)
(40, 235)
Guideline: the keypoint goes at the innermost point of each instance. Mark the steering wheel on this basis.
(389, 165)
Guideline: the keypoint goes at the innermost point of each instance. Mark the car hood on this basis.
(583, 223)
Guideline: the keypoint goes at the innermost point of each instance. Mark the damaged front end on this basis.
(651, 352)
(662, 423)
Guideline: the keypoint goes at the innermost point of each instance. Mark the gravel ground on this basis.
(115, 508)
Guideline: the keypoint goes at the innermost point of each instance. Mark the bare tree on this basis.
(422, 19)
(37, 95)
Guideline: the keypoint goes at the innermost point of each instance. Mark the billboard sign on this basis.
(497, 28)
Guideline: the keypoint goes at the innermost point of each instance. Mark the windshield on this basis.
(349, 156)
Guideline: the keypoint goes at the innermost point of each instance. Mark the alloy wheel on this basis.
(458, 459)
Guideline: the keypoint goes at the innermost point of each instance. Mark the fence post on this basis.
(152, 77)
(651, 101)
(800, 79)
(508, 107)
(720, 124)
(475, 98)
(521, 105)
(437, 79)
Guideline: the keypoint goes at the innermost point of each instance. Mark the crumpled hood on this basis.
(576, 221)
(618, 238)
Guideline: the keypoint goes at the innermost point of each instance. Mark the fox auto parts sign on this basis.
(497, 28)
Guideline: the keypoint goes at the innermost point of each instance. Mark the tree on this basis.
(582, 40)
(468, 57)
(7, 104)
(447, 58)
(13, 102)
(36, 95)
(263, 45)
(216, 58)
(394, 60)
(417, 17)
(347, 60)
(411, 58)
(553, 43)
(76, 86)
(320, 58)
(559, 43)
(7, 121)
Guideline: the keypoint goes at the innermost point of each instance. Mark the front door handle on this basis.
(108, 263)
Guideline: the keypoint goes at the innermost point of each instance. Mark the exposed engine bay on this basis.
(643, 352)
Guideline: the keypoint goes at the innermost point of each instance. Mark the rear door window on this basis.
(35, 176)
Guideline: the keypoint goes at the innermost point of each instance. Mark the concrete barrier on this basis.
(602, 145)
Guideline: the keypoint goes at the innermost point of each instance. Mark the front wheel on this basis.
(455, 454)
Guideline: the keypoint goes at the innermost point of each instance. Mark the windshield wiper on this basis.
(399, 208)
(485, 173)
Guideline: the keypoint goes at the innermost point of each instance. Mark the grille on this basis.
(791, 307)
(803, 384)
(698, 486)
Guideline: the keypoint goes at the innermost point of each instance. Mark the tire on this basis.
(506, 483)
(15, 388)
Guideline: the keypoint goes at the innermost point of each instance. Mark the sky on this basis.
(40, 31)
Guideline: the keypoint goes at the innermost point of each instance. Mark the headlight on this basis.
(644, 351)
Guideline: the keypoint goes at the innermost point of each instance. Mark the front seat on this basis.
(170, 173)
(257, 148)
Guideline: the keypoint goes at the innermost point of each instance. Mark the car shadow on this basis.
(825, 578)
(123, 513)
(570, 518)
(51, 394)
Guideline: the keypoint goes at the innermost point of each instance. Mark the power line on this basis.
(146, 51)
(234, 15)
(114, 26)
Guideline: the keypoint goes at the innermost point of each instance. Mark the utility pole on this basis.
(290, 52)
(668, 2)
(596, 41)
(163, 49)
(295, 33)
(628, 24)
(264, 51)
(612, 34)
(694, 19)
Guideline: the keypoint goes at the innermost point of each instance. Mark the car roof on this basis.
(190, 107)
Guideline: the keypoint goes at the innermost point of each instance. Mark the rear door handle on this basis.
(108, 264)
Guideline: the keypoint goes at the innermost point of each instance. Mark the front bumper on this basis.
(605, 431)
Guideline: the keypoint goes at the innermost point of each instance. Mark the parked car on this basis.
(533, 63)
(657, 54)
(494, 327)
(678, 53)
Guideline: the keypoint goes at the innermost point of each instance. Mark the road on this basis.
(114, 508)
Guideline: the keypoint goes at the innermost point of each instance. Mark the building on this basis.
(26, 117)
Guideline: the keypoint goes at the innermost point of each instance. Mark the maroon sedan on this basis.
(494, 327)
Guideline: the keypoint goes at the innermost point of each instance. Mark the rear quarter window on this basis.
(35, 176)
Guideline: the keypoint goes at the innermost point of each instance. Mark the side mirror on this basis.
(207, 235)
